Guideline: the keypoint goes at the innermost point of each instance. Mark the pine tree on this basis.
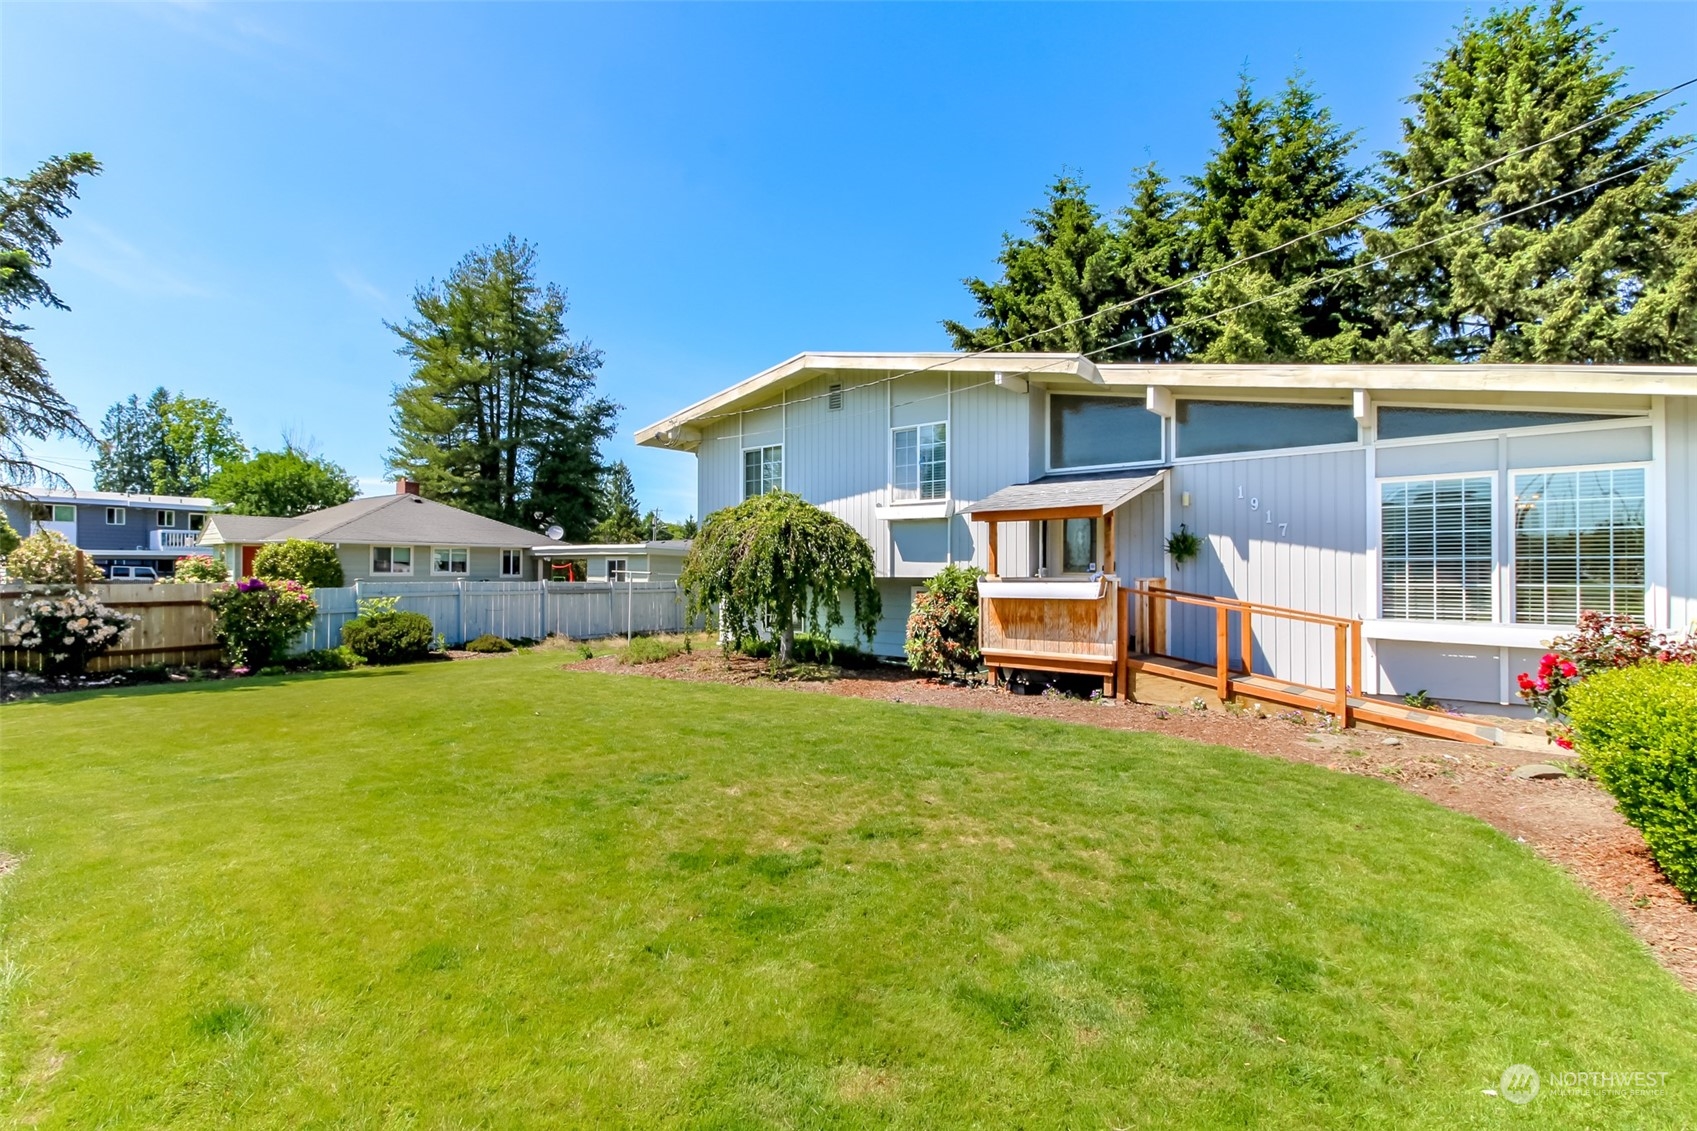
(1149, 256)
(500, 415)
(620, 514)
(1603, 274)
(1281, 171)
(1065, 269)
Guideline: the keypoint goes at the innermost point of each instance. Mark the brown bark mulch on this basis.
(1569, 821)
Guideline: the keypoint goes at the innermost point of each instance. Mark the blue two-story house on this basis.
(115, 528)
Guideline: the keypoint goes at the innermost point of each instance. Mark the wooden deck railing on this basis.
(1148, 635)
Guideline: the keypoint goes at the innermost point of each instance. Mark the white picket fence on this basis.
(465, 610)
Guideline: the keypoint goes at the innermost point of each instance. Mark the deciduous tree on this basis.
(283, 484)
(170, 444)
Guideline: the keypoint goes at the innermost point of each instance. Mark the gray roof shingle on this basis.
(1106, 492)
(382, 520)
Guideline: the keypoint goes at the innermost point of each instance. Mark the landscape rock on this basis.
(1539, 771)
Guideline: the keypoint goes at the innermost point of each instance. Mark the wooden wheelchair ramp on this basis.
(1228, 677)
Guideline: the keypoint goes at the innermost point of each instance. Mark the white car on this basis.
(143, 574)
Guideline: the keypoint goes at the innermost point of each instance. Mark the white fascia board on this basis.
(1605, 380)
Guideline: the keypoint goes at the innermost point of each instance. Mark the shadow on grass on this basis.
(228, 684)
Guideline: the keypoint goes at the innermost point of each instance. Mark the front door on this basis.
(248, 553)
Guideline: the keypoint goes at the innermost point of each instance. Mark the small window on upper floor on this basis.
(1402, 422)
(1088, 431)
(115, 516)
(197, 520)
(166, 520)
(919, 462)
(1209, 428)
(762, 470)
(64, 513)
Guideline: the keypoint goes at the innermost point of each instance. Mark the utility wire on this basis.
(1201, 276)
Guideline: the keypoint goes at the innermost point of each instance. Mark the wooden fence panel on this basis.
(173, 626)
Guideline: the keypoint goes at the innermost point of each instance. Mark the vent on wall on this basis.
(834, 399)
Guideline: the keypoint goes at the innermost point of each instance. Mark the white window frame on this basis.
(516, 557)
(783, 468)
(54, 509)
(165, 520)
(117, 516)
(450, 551)
(948, 469)
(1496, 554)
(1049, 436)
(1508, 600)
(618, 569)
(392, 571)
(1178, 455)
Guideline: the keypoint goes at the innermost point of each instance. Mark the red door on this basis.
(248, 553)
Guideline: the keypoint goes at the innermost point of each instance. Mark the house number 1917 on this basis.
(1255, 505)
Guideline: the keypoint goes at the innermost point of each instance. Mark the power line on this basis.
(1200, 276)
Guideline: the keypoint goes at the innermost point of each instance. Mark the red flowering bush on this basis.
(942, 629)
(257, 620)
(1601, 642)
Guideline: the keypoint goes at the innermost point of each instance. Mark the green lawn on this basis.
(501, 894)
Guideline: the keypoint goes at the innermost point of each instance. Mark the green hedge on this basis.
(1637, 729)
(489, 642)
(390, 638)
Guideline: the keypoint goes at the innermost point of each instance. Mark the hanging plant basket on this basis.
(1182, 546)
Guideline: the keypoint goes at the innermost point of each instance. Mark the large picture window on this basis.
(1101, 431)
(1436, 549)
(1578, 544)
(919, 462)
(1208, 428)
(762, 470)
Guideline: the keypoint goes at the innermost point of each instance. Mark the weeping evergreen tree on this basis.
(1587, 274)
(777, 560)
(1280, 171)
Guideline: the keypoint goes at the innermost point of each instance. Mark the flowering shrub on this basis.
(200, 568)
(942, 629)
(256, 620)
(1600, 643)
(66, 628)
(48, 558)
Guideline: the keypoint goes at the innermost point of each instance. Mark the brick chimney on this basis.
(405, 486)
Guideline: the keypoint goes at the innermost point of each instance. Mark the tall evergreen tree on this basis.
(500, 413)
(1603, 274)
(1281, 170)
(1063, 270)
(620, 514)
(30, 407)
(1150, 257)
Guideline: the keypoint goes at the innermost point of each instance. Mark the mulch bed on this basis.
(1569, 821)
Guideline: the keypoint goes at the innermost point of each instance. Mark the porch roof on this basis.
(1064, 496)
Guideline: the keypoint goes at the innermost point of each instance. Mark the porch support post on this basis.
(995, 551)
(1108, 542)
(1122, 644)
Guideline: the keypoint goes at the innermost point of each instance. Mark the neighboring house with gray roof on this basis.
(395, 537)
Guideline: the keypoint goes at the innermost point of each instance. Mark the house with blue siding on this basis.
(114, 527)
(1366, 530)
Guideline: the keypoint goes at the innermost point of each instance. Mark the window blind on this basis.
(1436, 549)
(1578, 544)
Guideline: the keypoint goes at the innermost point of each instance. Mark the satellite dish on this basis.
(555, 532)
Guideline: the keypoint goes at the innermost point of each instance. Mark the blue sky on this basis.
(718, 187)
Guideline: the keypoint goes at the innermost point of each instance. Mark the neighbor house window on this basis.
(391, 559)
(1578, 544)
(618, 569)
(115, 516)
(63, 513)
(762, 470)
(512, 563)
(1401, 422)
(166, 519)
(447, 559)
(1209, 428)
(1078, 545)
(919, 462)
(197, 521)
(1101, 431)
(1436, 549)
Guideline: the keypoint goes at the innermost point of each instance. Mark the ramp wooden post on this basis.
(1246, 640)
(1122, 645)
(1222, 646)
(1340, 666)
